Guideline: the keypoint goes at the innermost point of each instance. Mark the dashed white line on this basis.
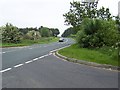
(59, 48)
(5, 70)
(28, 61)
(18, 65)
(35, 59)
(31, 60)
(41, 57)
(46, 55)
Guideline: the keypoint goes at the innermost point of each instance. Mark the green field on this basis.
(31, 42)
(103, 55)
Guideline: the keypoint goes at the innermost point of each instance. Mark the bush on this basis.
(33, 35)
(10, 34)
(45, 32)
(98, 33)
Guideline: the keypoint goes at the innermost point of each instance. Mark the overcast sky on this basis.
(36, 13)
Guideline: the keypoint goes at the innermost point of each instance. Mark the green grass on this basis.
(31, 42)
(101, 56)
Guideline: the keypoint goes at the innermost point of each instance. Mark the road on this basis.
(35, 67)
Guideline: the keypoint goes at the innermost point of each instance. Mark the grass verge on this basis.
(30, 42)
(103, 55)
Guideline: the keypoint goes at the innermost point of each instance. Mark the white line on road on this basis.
(28, 61)
(41, 57)
(18, 65)
(5, 70)
(50, 53)
(59, 49)
(35, 59)
(46, 55)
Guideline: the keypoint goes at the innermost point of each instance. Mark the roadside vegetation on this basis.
(104, 55)
(96, 32)
(43, 40)
(14, 36)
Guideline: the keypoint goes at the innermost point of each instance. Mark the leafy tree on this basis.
(68, 32)
(55, 31)
(79, 11)
(24, 31)
(45, 32)
(33, 35)
(97, 33)
(117, 19)
(104, 14)
(10, 34)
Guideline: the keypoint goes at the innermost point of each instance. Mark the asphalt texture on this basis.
(50, 71)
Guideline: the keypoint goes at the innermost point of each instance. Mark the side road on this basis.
(104, 66)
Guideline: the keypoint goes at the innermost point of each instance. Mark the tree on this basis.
(45, 32)
(97, 33)
(55, 31)
(104, 14)
(68, 32)
(24, 31)
(79, 11)
(10, 34)
(117, 19)
(33, 35)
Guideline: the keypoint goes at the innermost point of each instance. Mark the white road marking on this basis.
(35, 59)
(59, 49)
(5, 70)
(46, 55)
(18, 65)
(41, 57)
(50, 53)
(28, 61)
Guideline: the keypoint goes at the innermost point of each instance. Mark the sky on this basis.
(47, 13)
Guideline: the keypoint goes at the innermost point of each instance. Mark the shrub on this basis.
(45, 32)
(97, 33)
(10, 34)
(33, 35)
